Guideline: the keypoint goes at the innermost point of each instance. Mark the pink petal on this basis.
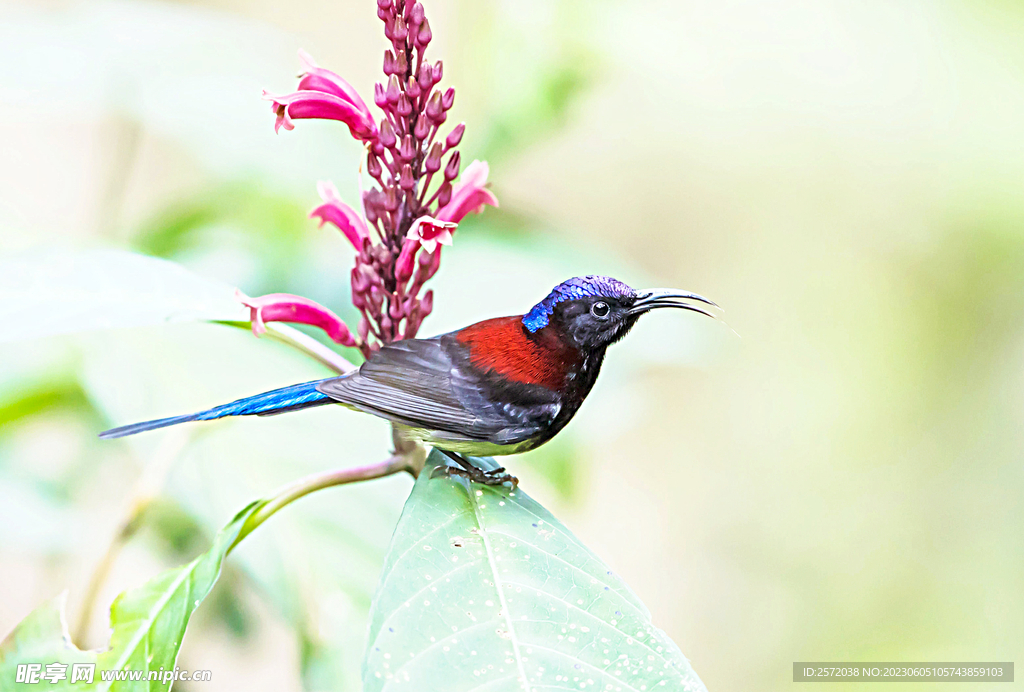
(328, 191)
(464, 201)
(444, 237)
(344, 217)
(469, 195)
(475, 174)
(282, 115)
(316, 78)
(317, 104)
(430, 231)
(285, 307)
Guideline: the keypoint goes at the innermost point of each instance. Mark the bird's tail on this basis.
(293, 398)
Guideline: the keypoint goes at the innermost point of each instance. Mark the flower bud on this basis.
(401, 31)
(359, 282)
(444, 195)
(394, 91)
(455, 136)
(408, 149)
(396, 311)
(371, 206)
(383, 4)
(424, 34)
(369, 275)
(425, 77)
(433, 162)
(389, 63)
(438, 71)
(412, 88)
(358, 300)
(401, 63)
(448, 99)
(405, 179)
(434, 109)
(373, 166)
(422, 128)
(404, 108)
(364, 329)
(424, 260)
(390, 199)
(451, 171)
(427, 303)
(417, 15)
(376, 298)
(387, 133)
(406, 260)
(379, 97)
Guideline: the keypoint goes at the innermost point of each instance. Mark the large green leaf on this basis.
(48, 293)
(483, 589)
(148, 624)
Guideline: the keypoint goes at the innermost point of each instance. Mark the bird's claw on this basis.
(468, 469)
(478, 475)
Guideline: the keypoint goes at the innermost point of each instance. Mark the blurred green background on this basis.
(841, 480)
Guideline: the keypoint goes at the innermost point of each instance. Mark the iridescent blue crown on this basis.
(573, 289)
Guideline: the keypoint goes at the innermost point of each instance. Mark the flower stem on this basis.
(310, 346)
(400, 461)
(301, 342)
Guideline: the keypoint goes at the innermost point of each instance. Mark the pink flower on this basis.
(334, 211)
(430, 232)
(323, 94)
(285, 307)
(469, 195)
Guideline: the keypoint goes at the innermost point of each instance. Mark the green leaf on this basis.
(48, 293)
(148, 623)
(484, 589)
(41, 638)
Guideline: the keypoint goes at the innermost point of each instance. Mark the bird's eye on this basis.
(599, 310)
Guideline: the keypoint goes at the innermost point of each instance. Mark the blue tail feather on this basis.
(293, 398)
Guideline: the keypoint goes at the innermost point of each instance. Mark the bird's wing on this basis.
(417, 384)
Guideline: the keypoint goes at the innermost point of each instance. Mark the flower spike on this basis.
(417, 196)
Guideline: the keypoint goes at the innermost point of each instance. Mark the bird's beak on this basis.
(669, 298)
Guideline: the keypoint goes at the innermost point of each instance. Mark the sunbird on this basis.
(501, 386)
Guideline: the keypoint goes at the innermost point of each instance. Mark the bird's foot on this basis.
(495, 477)
(469, 470)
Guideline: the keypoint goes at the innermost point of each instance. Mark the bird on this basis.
(502, 386)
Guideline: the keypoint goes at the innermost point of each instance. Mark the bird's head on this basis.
(593, 312)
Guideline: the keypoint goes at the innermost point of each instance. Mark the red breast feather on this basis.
(503, 345)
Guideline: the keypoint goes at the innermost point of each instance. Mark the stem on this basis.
(102, 569)
(310, 346)
(146, 490)
(397, 462)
